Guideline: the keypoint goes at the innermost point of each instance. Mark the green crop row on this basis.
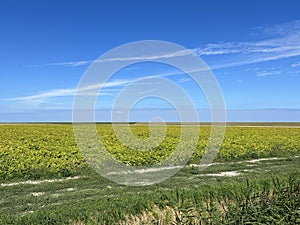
(34, 151)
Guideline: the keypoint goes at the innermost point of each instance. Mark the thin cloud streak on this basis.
(255, 60)
(72, 64)
(71, 92)
(295, 64)
(267, 73)
(131, 58)
(287, 44)
(88, 90)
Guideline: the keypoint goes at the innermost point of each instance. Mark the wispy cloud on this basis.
(267, 73)
(130, 58)
(71, 92)
(295, 64)
(255, 59)
(282, 28)
(183, 79)
(285, 42)
(72, 64)
(108, 88)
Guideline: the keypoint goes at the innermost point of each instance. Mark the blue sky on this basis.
(252, 47)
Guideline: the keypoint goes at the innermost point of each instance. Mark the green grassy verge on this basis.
(265, 192)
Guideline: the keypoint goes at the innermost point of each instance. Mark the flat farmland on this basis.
(46, 180)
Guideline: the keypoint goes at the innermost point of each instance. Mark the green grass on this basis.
(95, 200)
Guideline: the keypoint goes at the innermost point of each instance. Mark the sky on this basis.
(251, 47)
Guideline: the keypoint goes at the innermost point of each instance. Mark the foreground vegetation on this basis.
(269, 193)
(63, 189)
